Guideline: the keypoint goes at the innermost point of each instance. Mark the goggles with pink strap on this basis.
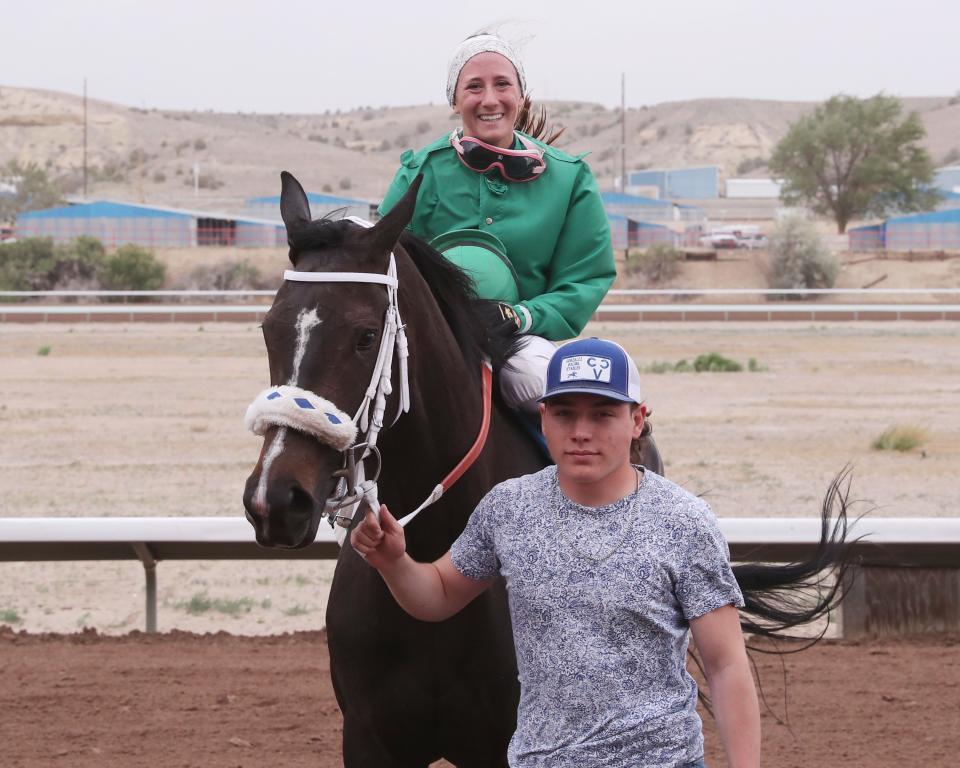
(514, 164)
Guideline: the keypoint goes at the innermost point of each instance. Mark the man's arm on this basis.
(719, 640)
(427, 591)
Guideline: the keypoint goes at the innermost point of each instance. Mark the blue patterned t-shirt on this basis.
(600, 600)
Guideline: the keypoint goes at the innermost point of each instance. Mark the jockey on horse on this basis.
(523, 218)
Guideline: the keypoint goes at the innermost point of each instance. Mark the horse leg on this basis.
(363, 746)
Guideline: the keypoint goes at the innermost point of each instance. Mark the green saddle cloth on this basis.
(483, 257)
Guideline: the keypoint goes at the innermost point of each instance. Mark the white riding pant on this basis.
(524, 376)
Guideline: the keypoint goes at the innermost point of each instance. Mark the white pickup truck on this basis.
(737, 236)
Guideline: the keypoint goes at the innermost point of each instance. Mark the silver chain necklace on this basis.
(635, 508)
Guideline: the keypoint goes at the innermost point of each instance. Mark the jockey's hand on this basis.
(379, 542)
(499, 318)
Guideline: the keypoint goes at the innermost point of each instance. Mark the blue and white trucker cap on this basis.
(593, 367)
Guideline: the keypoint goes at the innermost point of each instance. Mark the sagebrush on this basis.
(658, 263)
(799, 257)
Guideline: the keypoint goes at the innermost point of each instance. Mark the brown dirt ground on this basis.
(242, 702)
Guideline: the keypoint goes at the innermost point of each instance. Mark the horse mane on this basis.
(320, 233)
(451, 287)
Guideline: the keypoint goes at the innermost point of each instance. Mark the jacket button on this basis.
(489, 220)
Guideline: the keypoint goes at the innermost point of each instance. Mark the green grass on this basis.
(901, 438)
(714, 362)
(296, 610)
(43, 351)
(711, 362)
(202, 603)
(10, 616)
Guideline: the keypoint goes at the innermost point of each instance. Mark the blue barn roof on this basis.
(636, 222)
(105, 209)
(946, 216)
(110, 209)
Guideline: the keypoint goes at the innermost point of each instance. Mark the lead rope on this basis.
(471, 456)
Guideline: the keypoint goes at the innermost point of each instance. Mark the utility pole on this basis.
(84, 139)
(623, 132)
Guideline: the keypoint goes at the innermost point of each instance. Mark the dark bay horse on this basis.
(411, 692)
(423, 691)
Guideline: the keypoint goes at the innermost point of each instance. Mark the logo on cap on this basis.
(585, 368)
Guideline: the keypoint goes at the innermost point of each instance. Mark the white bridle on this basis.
(300, 409)
(306, 411)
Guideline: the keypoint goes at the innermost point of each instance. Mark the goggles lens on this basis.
(514, 164)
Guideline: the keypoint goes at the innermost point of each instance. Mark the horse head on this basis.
(326, 334)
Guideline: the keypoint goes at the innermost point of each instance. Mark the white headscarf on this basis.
(485, 43)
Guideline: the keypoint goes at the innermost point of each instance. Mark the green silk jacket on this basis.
(554, 228)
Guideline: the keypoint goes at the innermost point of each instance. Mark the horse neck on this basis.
(446, 406)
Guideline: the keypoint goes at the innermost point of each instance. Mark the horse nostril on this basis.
(300, 504)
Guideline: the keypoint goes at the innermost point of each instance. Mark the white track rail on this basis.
(907, 542)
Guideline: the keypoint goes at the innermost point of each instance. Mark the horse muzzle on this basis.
(288, 517)
(285, 495)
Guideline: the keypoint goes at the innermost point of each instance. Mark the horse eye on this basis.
(366, 339)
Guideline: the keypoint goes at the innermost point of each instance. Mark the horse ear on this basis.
(387, 231)
(294, 207)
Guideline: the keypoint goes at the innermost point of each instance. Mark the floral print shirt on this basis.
(600, 600)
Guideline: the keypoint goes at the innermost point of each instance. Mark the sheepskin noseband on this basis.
(304, 411)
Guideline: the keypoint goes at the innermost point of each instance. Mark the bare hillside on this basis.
(149, 155)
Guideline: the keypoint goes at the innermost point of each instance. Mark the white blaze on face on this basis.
(260, 497)
(306, 322)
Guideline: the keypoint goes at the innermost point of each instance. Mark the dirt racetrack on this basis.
(220, 701)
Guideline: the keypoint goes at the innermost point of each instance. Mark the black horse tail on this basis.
(778, 598)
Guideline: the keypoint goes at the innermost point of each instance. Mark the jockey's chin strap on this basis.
(308, 412)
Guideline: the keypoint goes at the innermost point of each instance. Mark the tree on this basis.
(855, 157)
(35, 190)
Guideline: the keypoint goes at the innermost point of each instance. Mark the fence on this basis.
(887, 548)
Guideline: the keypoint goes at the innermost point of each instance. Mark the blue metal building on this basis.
(649, 208)
(868, 238)
(629, 233)
(115, 223)
(934, 231)
(947, 178)
(698, 183)
(320, 205)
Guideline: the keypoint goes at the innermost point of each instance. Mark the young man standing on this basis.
(609, 568)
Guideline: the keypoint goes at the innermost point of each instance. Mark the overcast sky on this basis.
(297, 56)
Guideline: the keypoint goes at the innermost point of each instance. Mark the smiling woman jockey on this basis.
(542, 204)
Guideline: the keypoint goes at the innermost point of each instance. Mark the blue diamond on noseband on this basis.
(333, 419)
(304, 403)
(274, 396)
